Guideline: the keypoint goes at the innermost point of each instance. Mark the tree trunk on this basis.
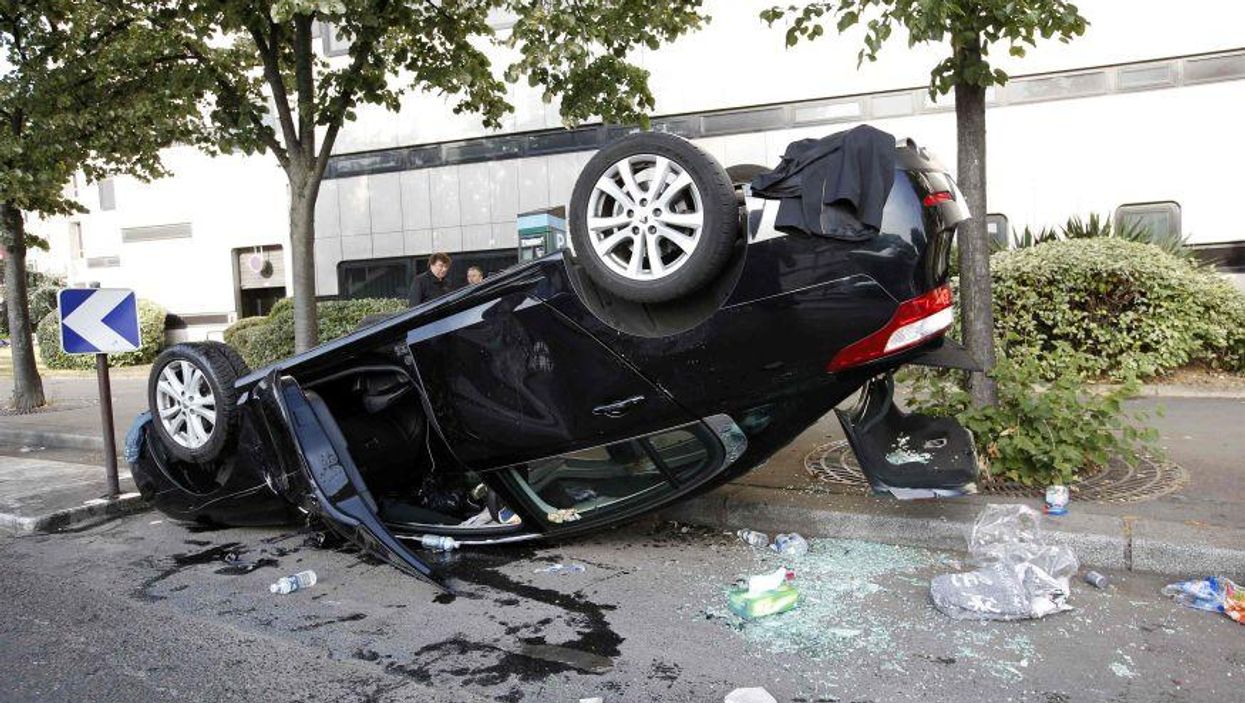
(27, 386)
(303, 191)
(976, 301)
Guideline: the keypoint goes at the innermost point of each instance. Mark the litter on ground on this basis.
(1214, 593)
(1019, 575)
(750, 695)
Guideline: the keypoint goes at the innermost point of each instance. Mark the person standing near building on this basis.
(433, 283)
(474, 275)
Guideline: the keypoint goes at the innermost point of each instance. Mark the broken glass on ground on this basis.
(1018, 577)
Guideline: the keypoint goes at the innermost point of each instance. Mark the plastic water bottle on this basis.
(791, 545)
(754, 538)
(439, 543)
(297, 582)
(1203, 594)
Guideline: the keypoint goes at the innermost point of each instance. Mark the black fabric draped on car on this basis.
(835, 186)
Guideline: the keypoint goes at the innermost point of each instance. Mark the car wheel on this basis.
(653, 218)
(239, 365)
(193, 402)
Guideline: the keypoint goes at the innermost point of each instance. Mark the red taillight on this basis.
(914, 321)
(941, 196)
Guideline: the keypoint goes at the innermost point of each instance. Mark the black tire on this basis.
(694, 269)
(742, 174)
(240, 367)
(204, 443)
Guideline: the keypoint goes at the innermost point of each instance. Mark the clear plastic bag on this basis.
(1019, 576)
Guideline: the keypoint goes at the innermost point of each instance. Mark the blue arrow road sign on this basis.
(98, 320)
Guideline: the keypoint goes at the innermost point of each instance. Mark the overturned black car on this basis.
(696, 328)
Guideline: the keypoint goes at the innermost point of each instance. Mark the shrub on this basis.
(40, 295)
(239, 334)
(1098, 226)
(274, 339)
(1041, 432)
(151, 334)
(1130, 308)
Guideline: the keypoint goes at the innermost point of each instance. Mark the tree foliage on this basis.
(271, 88)
(85, 86)
(971, 26)
(273, 91)
(90, 86)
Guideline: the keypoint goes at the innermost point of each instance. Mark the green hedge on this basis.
(239, 334)
(41, 291)
(263, 340)
(151, 319)
(1132, 309)
(1043, 430)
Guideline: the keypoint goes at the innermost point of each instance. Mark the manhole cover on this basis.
(835, 464)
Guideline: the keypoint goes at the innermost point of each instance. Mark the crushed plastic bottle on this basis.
(297, 582)
(754, 538)
(1203, 594)
(790, 544)
(439, 543)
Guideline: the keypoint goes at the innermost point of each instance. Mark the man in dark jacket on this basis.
(432, 283)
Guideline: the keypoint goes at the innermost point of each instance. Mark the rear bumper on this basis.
(907, 450)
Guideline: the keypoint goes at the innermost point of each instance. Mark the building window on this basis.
(107, 194)
(181, 230)
(996, 229)
(334, 43)
(75, 240)
(375, 278)
(1162, 219)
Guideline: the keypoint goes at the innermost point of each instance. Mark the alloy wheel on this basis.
(645, 217)
(186, 404)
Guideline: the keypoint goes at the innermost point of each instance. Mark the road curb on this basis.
(1159, 390)
(124, 504)
(1100, 541)
(45, 438)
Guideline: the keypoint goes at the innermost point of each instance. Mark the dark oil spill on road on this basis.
(353, 617)
(246, 567)
(523, 659)
(228, 552)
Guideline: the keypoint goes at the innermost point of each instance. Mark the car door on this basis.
(511, 380)
(320, 476)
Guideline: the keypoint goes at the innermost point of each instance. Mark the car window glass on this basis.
(595, 478)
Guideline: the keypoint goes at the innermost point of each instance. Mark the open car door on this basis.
(320, 476)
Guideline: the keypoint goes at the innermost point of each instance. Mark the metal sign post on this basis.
(99, 321)
(105, 414)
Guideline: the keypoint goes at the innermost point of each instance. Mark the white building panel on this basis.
(355, 206)
(384, 191)
(416, 205)
(445, 198)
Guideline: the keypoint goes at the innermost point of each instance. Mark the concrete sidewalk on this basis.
(1197, 530)
(38, 494)
(51, 461)
(71, 419)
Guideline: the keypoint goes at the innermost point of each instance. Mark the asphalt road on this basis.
(108, 613)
